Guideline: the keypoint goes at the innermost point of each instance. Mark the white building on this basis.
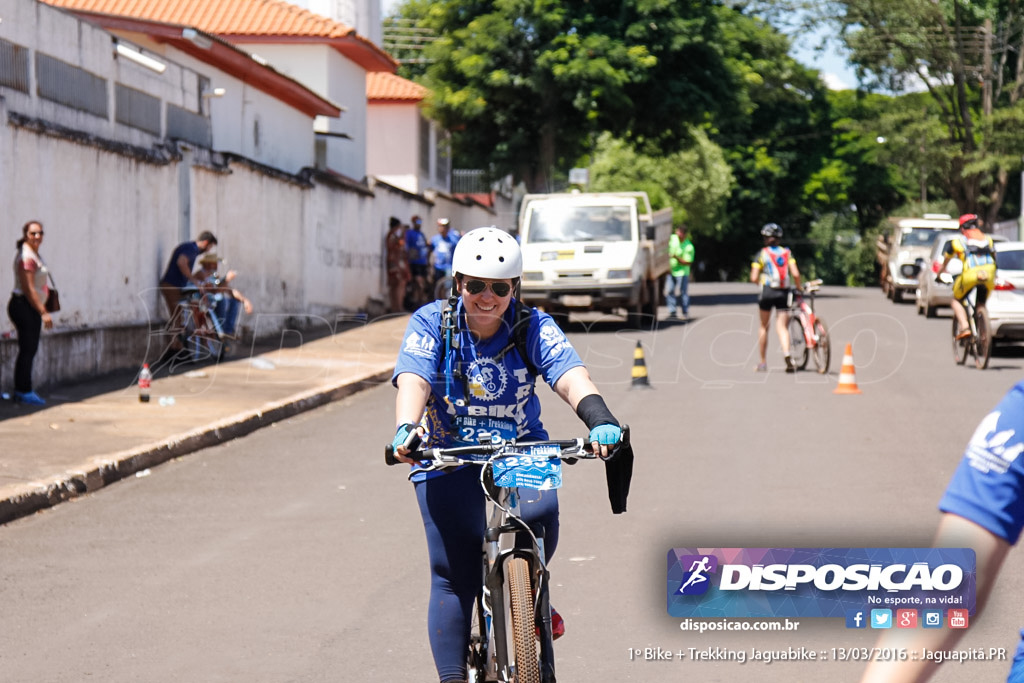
(326, 56)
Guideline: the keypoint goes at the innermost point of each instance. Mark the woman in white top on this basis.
(27, 308)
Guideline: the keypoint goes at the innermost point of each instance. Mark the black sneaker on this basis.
(789, 365)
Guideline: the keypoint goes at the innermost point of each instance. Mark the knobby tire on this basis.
(983, 339)
(797, 342)
(823, 349)
(959, 345)
(521, 606)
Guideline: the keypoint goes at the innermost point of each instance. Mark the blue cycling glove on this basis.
(605, 435)
(407, 436)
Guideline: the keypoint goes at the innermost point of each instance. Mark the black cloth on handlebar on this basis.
(618, 472)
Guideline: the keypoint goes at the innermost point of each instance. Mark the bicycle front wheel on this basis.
(822, 348)
(959, 345)
(797, 342)
(983, 340)
(521, 606)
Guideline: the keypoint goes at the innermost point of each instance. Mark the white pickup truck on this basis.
(600, 251)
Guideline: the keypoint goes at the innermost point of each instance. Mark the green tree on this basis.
(970, 58)
(775, 139)
(526, 86)
(696, 182)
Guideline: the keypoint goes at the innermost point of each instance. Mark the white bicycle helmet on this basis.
(489, 253)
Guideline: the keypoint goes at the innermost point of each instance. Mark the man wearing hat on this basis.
(225, 299)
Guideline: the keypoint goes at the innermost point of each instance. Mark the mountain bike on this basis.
(979, 342)
(512, 612)
(807, 332)
(198, 329)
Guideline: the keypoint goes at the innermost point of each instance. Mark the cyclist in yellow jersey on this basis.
(977, 252)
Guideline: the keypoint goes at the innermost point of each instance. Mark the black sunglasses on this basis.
(500, 289)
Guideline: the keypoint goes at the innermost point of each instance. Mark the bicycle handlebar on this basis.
(569, 449)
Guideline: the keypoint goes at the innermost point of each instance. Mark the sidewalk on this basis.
(81, 442)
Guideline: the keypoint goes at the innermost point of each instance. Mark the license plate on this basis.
(539, 472)
(577, 300)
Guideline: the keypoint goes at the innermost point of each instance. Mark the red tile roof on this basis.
(271, 21)
(387, 87)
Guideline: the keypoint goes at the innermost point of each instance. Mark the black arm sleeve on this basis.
(593, 411)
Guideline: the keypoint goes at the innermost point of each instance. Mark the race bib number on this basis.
(472, 430)
(541, 472)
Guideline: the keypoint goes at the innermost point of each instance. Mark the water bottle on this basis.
(145, 378)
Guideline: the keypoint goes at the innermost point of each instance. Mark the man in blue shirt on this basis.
(442, 246)
(178, 274)
(419, 262)
(983, 509)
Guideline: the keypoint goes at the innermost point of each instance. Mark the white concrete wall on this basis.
(328, 73)
(393, 148)
(62, 35)
(392, 140)
(285, 139)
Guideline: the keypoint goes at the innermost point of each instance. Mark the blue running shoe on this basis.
(29, 398)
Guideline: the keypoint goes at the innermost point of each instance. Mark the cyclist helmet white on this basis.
(771, 230)
(489, 253)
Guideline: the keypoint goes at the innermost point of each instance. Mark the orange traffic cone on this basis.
(847, 380)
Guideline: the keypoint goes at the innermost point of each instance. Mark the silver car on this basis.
(1006, 303)
(931, 294)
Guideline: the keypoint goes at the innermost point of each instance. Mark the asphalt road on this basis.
(294, 554)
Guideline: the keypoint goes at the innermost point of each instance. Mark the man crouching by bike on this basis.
(461, 374)
(977, 253)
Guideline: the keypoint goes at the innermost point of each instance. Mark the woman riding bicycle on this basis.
(977, 252)
(460, 376)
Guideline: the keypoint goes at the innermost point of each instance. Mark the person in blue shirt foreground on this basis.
(983, 509)
(449, 396)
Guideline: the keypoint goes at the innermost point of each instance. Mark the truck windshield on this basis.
(579, 224)
(919, 237)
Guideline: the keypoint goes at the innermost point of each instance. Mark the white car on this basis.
(931, 294)
(1006, 303)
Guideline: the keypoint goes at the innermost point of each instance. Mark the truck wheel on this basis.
(651, 309)
(897, 295)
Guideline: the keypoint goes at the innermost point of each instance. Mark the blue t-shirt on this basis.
(498, 394)
(443, 247)
(419, 248)
(173, 275)
(987, 486)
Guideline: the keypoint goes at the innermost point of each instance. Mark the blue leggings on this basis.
(452, 506)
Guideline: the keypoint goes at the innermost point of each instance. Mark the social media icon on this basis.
(958, 618)
(906, 618)
(931, 618)
(881, 618)
(856, 618)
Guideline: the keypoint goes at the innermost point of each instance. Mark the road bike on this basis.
(979, 342)
(512, 612)
(807, 332)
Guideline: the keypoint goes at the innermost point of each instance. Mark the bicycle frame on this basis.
(804, 311)
(490, 648)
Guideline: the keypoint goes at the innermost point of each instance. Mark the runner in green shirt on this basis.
(680, 251)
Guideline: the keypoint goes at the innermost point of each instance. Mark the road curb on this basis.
(107, 469)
